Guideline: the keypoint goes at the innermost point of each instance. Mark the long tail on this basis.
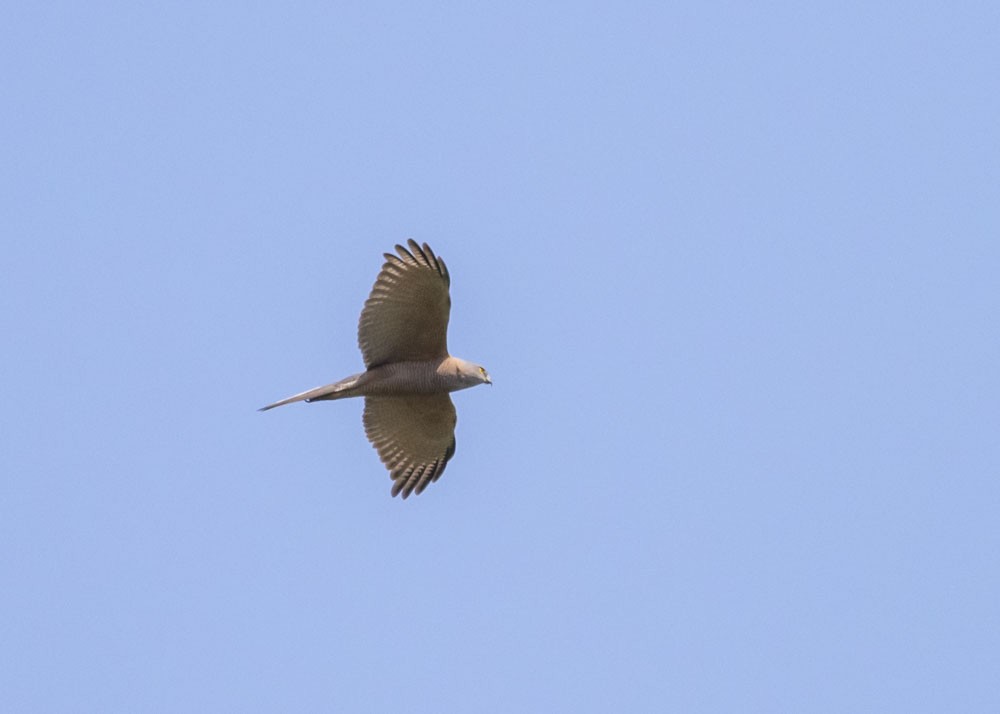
(338, 390)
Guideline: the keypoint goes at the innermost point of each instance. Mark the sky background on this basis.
(733, 268)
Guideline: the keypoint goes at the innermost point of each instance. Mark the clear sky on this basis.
(733, 268)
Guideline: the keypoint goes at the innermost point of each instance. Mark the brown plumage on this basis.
(403, 335)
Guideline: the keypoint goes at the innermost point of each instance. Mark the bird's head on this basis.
(470, 374)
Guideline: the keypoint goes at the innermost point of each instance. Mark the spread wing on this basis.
(406, 316)
(414, 436)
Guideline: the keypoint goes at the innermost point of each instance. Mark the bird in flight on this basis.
(403, 335)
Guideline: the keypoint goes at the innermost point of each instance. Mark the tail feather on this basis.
(338, 390)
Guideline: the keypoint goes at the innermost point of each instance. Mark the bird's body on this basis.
(392, 380)
(409, 417)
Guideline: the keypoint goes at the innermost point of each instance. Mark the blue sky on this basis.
(733, 268)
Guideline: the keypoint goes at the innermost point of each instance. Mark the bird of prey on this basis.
(409, 417)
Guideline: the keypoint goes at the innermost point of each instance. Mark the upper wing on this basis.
(414, 436)
(406, 316)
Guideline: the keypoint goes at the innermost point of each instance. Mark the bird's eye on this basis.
(482, 371)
